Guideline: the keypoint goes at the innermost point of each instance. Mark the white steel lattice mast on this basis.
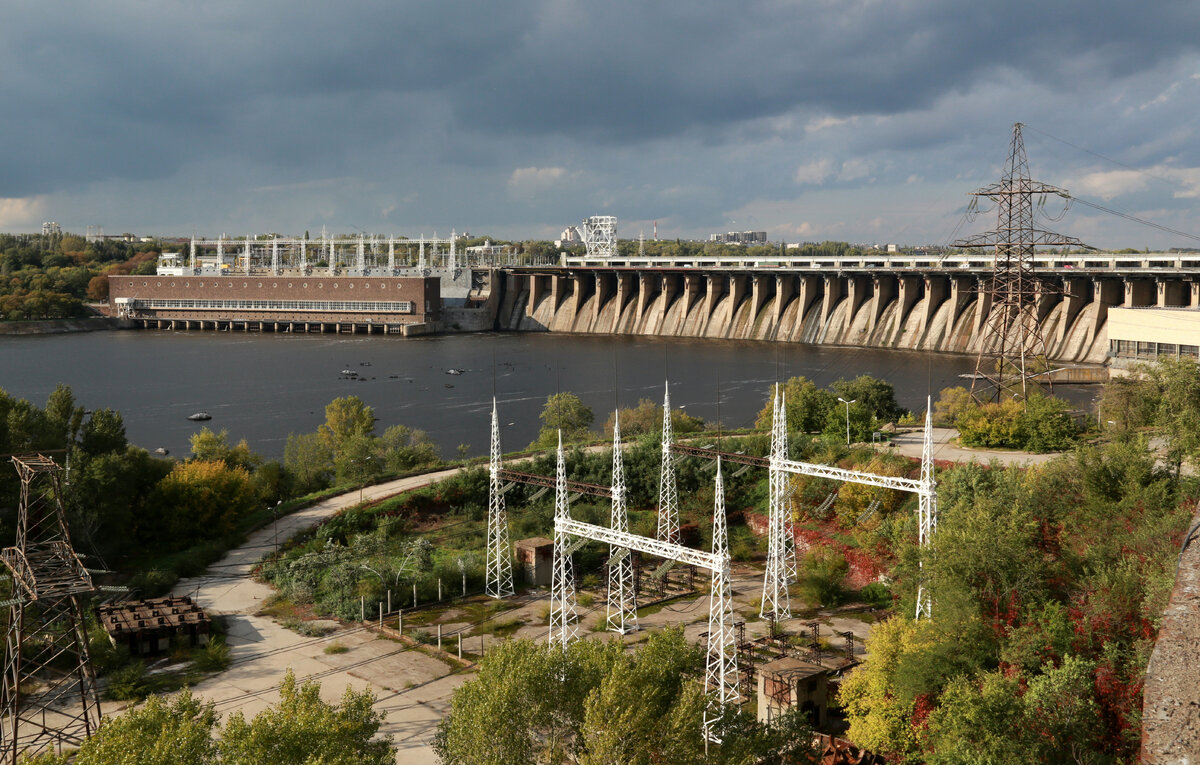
(563, 617)
(721, 673)
(779, 451)
(668, 493)
(499, 554)
(926, 511)
(775, 598)
(622, 605)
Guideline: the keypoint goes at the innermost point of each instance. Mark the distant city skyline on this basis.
(854, 121)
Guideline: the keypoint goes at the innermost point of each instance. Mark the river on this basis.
(262, 387)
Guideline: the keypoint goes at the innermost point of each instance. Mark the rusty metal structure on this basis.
(1013, 350)
(48, 694)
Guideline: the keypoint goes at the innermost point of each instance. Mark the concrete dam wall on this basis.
(901, 309)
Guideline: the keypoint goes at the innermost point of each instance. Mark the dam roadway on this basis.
(889, 301)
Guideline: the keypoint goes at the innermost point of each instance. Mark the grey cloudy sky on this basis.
(863, 120)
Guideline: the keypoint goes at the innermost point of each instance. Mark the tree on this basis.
(64, 416)
(878, 396)
(951, 406)
(1178, 415)
(103, 433)
(862, 423)
(1130, 402)
(309, 461)
(344, 418)
(647, 417)
(403, 448)
(300, 730)
(357, 461)
(303, 729)
(203, 500)
(563, 412)
(209, 446)
(807, 406)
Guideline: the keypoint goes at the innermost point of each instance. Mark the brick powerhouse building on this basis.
(285, 303)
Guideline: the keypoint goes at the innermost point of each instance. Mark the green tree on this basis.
(404, 448)
(308, 461)
(64, 415)
(647, 417)
(862, 423)
(104, 432)
(878, 396)
(563, 412)
(1178, 416)
(951, 406)
(980, 721)
(1128, 403)
(305, 730)
(807, 406)
(209, 446)
(345, 418)
(203, 500)
(358, 461)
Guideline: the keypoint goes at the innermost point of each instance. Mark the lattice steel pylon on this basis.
(564, 626)
(48, 693)
(600, 236)
(622, 604)
(721, 670)
(1012, 346)
(668, 492)
(926, 512)
(779, 451)
(776, 578)
(499, 553)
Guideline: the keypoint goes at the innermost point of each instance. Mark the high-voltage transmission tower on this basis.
(668, 493)
(1012, 349)
(600, 236)
(499, 554)
(721, 672)
(48, 692)
(622, 600)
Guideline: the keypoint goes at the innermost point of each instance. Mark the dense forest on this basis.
(50, 276)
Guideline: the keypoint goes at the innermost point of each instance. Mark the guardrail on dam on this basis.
(914, 306)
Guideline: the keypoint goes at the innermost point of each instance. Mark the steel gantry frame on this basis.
(46, 641)
(925, 488)
(781, 538)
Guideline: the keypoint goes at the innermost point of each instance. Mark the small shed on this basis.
(789, 682)
(536, 555)
(147, 626)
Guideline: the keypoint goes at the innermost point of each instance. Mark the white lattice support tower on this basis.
(453, 262)
(421, 254)
(391, 255)
(721, 672)
(622, 605)
(775, 598)
(304, 255)
(564, 618)
(600, 236)
(668, 492)
(247, 264)
(275, 256)
(779, 451)
(499, 554)
(926, 512)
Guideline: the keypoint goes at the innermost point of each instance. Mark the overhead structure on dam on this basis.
(48, 693)
(600, 236)
(1013, 350)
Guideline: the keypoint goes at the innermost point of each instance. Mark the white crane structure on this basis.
(599, 234)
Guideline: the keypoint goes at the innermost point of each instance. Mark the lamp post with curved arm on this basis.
(847, 403)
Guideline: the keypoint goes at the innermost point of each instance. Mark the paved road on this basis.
(413, 690)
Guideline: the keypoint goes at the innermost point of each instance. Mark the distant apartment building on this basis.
(50, 227)
(570, 235)
(740, 237)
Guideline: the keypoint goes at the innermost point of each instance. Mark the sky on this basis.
(867, 121)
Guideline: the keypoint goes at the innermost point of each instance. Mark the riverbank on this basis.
(61, 326)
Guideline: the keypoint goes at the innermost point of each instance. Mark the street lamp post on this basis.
(275, 525)
(847, 403)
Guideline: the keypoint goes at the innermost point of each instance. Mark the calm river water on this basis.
(263, 387)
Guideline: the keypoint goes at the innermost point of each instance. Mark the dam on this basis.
(896, 301)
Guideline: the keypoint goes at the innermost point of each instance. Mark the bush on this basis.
(130, 682)
(877, 594)
(823, 571)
